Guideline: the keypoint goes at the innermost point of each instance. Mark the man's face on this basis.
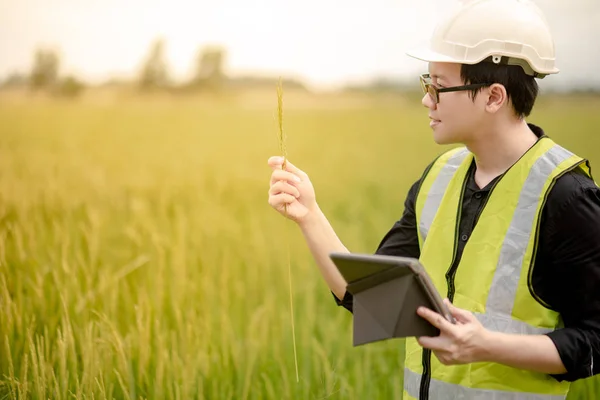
(456, 117)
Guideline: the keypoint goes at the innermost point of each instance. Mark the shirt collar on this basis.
(472, 186)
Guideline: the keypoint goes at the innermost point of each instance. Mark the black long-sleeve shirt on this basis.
(566, 272)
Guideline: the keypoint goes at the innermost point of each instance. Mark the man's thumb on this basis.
(293, 169)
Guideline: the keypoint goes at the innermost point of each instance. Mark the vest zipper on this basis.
(426, 359)
(426, 376)
(591, 355)
(451, 273)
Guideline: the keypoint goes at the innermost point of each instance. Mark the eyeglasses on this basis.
(434, 92)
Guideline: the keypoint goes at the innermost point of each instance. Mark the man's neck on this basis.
(496, 151)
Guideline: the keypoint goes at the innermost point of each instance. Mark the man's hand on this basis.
(291, 192)
(468, 341)
(460, 343)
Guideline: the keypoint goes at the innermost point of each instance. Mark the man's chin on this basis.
(441, 138)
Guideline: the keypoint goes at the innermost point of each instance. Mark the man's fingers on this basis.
(435, 319)
(458, 313)
(432, 343)
(281, 175)
(283, 187)
(276, 162)
(277, 201)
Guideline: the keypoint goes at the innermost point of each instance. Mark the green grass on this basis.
(139, 258)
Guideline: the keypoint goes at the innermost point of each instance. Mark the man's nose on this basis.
(428, 102)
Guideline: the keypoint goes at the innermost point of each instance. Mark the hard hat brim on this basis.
(428, 55)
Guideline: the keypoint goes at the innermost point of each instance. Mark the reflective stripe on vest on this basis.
(439, 390)
(436, 193)
(501, 298)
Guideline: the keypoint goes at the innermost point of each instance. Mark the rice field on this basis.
(139, 258)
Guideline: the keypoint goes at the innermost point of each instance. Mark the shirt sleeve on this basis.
(573, 244)
(401, 240)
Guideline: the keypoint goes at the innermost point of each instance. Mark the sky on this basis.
(326, 43)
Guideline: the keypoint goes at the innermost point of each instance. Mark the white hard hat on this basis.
(480, 29)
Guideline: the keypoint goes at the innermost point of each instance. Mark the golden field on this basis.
(139, 258)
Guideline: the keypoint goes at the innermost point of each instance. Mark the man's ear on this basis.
(497, 98)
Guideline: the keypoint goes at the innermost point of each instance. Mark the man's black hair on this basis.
(521, 89)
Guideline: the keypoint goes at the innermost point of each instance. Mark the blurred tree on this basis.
(154, 72)
(44, 72)
(15, 80)
(209, 71)
(70, 87)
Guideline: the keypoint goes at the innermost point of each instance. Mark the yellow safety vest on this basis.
(494, 271)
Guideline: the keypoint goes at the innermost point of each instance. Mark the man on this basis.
(508, 225)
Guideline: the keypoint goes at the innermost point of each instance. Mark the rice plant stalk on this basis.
(283, 150)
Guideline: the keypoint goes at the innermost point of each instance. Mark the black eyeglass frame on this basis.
(434, 92)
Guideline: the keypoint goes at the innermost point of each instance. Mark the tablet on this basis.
(387, 291)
